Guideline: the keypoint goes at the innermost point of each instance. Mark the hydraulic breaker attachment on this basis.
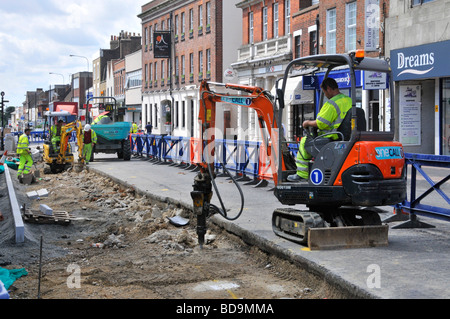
(201, 196)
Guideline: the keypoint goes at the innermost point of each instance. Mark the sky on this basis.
(38, 36)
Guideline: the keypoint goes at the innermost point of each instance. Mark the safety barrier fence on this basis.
(248, 161)
(414, 205)
(40, 136)
(243, 158)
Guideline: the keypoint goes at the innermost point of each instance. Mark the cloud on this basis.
(37, 37)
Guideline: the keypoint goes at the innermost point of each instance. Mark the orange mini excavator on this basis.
(349, 177)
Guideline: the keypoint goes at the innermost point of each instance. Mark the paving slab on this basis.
(415, 264)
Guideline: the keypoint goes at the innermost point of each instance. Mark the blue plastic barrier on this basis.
(413, 206)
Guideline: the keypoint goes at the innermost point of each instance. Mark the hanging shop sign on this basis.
(162, 44)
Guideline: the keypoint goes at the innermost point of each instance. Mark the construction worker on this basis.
(89, 141)
(56, 135)
(23, 149)
(134, 128)
(104, 119)
(328, 120)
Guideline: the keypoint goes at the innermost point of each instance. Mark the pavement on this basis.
(415, 264)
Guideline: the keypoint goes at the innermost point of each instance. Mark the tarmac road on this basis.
(415, 264)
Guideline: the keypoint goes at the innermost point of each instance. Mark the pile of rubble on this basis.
(118, 210)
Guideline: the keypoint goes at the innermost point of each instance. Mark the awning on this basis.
(294, 94)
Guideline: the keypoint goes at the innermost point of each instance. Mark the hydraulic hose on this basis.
(222, 211)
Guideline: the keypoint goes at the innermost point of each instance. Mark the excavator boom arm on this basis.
(256, 99)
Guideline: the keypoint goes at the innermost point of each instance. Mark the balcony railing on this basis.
(265, 48)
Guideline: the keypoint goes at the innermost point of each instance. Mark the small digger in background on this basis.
(59, 155)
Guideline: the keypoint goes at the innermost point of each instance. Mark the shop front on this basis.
(422, 79)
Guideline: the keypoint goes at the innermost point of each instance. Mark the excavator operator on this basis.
(56, 135)
(328, 120)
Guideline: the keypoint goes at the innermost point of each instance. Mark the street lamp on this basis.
(80, 56)
(86, 82)
(3, 101)
(64, 82)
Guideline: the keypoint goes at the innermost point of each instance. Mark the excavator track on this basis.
(354, 229)
(294, 224)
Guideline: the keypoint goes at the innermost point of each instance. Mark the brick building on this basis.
(275, 32)
(265, 52)
(200, 49)
(353, 25)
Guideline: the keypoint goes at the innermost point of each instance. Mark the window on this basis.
(250, 28)
(287, 13)
(331, 31)
(146, 37)
(297, 44)
(208, 63)
(313, 42)
(191, 66)
(145, 75)
(150, 30)
(183, 66)
(163, 69)
(350, 26)
(177, 69)
(163, 25)
(183, 116)
(265, 22)
(150, 71)
(134, 79)
(177, 25)
(275, 19)
(417, 2)
(200, 16)
(208, 14)
(155, 73)
(183, 23)
(176, 120)
(191, 19)
(200, 63)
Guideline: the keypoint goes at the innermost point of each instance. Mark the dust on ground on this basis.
(121, 245)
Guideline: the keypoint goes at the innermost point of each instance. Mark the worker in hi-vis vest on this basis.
(328, 120)
(89, 141)
(134, 128)
(55, 131)
(23, 149)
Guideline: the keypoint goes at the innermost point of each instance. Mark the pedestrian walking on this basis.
(149, 128)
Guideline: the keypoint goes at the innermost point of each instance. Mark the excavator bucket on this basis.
(347, 237)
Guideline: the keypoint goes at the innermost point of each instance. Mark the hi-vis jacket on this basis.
(23, 145)
(332, 114)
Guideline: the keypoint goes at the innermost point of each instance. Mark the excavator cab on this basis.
(349, 177)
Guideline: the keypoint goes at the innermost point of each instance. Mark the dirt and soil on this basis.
(120, 245)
